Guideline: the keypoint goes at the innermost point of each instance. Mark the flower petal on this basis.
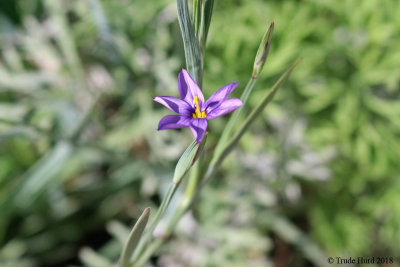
(216, 99)
(173, 122)
(188, 88)
(225, 107)
(199, 128)
(177, 105)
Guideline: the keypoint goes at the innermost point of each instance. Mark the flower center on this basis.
(197, 114)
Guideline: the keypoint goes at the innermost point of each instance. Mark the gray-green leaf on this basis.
(134, 238)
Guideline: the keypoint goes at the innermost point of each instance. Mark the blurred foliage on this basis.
(79, 149)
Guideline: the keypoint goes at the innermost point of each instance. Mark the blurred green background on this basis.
(80, 156)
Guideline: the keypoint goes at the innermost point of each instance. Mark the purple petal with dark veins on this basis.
(173, 122)
(176, 105)
(199, 128)
(219, 96)
(188, 88)
(225, 107)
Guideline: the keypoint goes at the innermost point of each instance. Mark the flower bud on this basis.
(262, 53)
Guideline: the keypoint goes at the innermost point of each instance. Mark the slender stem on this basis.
(153, 247)
(149, 232)
(229, 126)
(193, 181)
(245, 125)
(186, 202)
(194, 63)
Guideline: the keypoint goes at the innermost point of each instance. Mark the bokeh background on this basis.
(319, 171)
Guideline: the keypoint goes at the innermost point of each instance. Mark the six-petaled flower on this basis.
(193, 111)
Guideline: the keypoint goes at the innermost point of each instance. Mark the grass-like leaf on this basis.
(134, 238)
(245, 126)
(259, 61)
(184, 164)
(196, 15)
(187, 159)
(194, 61)
(206, 14)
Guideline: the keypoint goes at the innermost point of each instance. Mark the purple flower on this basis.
(193, 111)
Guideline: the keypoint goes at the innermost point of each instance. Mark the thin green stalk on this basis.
(193, 181)
(185, 163)
(259, 62)
(194, 62)
(185, 204)
(244, 127)
(149, 232)
(229, 126)
(153, 247)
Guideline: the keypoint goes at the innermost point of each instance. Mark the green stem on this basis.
(149, 232)
(245, 125)
(229, 126)
(153, 247)
(194, 64)
(186, 202)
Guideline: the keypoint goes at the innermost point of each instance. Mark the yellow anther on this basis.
(196, 101)
(197, 114)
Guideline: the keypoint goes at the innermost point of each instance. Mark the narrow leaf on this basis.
(196, 15)
(259, 62)
(245, 126)
(133, 238)
(257, 111)
(187, 160)
(206, 14)
(194, 61)
(149, 232)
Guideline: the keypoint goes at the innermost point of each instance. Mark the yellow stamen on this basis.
(196, 100)
(197, 114)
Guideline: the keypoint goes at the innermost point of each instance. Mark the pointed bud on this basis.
(262, 53)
